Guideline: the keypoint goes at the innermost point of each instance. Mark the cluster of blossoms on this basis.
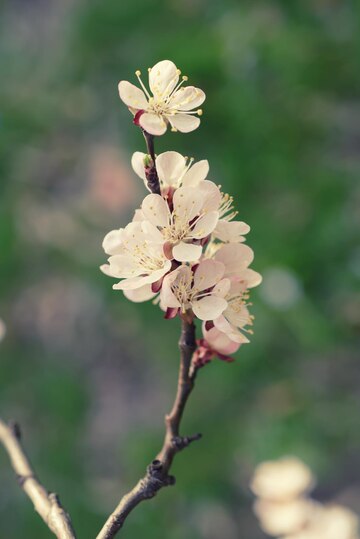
(184, 248)
(286, 511)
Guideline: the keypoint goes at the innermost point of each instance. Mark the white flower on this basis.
(135, 258)
(330, 522)
(282, 480)
(219, 341)
(237, 257)
(193, 217)
(201, 290)
(170, 102)
(173, 170)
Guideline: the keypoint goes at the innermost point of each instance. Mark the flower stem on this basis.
(150, 171)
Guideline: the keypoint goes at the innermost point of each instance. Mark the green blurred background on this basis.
(88, 374)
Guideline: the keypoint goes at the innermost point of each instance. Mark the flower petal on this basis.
(222, 288)
(167, 296)
(187, 203)
(219, 341)
(184, 122)
(187, 98)
(235, 256)
(163, 77)
(187, 252)
(207, 274)
(112, 243)
(205, 225)
(132, 96)
(137, 163)
(144, 293)
(231, 231)
(209, 307)
(250, 278)
(170, 166)
(210, 194)
(153, 123)
(156, 210)
(196, 174)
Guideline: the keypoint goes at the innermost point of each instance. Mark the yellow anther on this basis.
(199, 112)
(138, 73)
(185, 77)
(174, 129)
(178, 72)
(149, 69)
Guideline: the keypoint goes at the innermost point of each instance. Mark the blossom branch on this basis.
(47, 504)
(157, 474)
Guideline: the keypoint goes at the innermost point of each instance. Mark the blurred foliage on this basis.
(89, 375)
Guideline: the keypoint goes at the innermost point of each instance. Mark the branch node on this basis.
(21, 479)
(180, 442)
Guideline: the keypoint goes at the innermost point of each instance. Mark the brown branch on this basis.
(157, 474)
(46, 504)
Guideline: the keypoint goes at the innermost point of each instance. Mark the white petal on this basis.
(137, 163)
(152, 123)
(130, 284)
(170, 166)
(132, 96)
(196, 174)
(207, 274)
(163, 78)
(209, 307)
(167, 297)
(184, 122)
(156, 210)
(230, 331)
(235, 256)
(106, 269)
(144, 293)
(112, 243)
(187, 252)
(210, 194)
(187, 203)
(153, 234)
(205, 225)
(231, 231)
(187, 98)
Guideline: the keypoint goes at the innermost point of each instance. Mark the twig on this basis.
(157, 474)
(46, 504)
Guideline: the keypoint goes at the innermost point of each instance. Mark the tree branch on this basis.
(157, 474)
(46, 504)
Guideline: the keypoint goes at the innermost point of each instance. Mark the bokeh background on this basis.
(88, 374)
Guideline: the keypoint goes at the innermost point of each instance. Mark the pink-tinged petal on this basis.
(210, 194)
(184, 122)
(207, 274)
(144, 293)
(196, 174)
(156, 210)
(137, 163)
(221, 288)
(112, 243)
(187, 98)
(187, 203)
(231, 231)
(186, 252)
(250, 278)
(220, 342)
(152, 123)
(170, 166)
(232, 333)
(132, 96)
(205, 225)
(163, 78)
(209, 307)
(235, 256)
